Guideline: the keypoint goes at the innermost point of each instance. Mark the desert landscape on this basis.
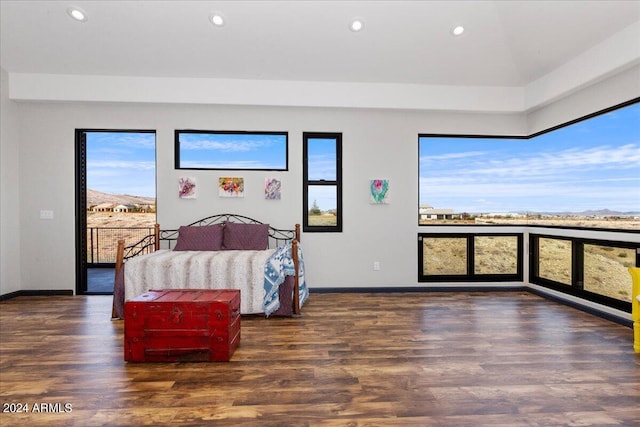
(104, 229)
(121, 220)
(605, 266)
(629, 223)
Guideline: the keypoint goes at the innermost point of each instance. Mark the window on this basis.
(596, 270)
(554, 260)
(470, 257)
(231, 150)
(582, 174)
(115, 178)
(322, 182)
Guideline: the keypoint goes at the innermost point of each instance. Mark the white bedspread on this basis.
(166, 269)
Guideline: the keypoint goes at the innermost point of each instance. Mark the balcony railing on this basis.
(102, 242)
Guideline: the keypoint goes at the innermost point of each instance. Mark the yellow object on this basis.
(635, 306)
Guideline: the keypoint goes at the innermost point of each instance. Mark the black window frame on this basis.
(519, 137)
(471, 275)
(178, 132)
(306, 182)
(576, 287)
(81, 235)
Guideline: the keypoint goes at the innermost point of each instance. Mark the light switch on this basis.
(46, 214)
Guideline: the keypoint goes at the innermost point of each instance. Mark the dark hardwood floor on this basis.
(405, 359)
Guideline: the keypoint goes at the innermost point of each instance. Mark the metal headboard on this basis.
(277, 236)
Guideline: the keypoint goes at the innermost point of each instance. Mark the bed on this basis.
(224, 251)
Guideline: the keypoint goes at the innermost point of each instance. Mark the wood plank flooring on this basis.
(396, 359)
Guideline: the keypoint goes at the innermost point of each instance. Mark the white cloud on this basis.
(231, 164)
(120, 164)
(226, 143)
(571, 179)
(449, 156)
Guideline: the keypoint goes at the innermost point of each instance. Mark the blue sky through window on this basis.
(122, 163)
(261, 151)
(321, 154)
(590, 165)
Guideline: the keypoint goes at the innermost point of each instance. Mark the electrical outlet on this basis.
(46, 214)
(376, 266)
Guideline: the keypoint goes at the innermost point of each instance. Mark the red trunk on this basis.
(182, 325)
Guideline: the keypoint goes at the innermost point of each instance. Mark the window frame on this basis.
(576, 287)
(520, 137)
(471, 275)
(306, 182)
(178, 132)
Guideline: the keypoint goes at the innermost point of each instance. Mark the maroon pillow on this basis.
(248, 237)
(200, 238)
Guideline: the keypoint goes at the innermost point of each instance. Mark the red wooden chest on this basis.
(194, 325)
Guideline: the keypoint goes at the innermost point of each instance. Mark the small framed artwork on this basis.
(272, 187)
(230, 187)
(379, 191)
(187, 188)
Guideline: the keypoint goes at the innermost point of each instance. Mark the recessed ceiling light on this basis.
(77, 14)
(217, 19)
(356, 25)
(457, 30)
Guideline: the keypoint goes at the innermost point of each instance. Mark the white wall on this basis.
(9, 192)
(376, 144)
(602, 95)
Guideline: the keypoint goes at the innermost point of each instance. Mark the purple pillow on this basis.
(200, 238)
(248, 237)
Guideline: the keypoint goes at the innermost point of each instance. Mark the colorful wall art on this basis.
(272, 188)
(187, 188)
(379, 191)
(230, 187)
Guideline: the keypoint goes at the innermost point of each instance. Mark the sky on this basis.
(122, 163)
(590, 165)
(321, 153)
(233, 151)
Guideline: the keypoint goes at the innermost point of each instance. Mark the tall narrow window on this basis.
(322, 187)
(115, 200)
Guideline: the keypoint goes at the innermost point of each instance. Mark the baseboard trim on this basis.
(36, 293)
(591, 310)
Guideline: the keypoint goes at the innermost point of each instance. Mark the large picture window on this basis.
(231, 150)
(583, 174)
(322, 186)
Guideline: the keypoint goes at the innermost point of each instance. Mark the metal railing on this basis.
(102, 242)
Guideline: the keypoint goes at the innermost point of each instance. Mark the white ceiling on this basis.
(506, 43)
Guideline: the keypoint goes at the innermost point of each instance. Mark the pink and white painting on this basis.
(187, 188)
(379, 191)
(272, 187)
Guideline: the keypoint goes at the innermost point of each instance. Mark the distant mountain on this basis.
(95, 197)
(607, 212)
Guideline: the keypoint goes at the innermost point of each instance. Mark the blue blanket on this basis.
(278, 266)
